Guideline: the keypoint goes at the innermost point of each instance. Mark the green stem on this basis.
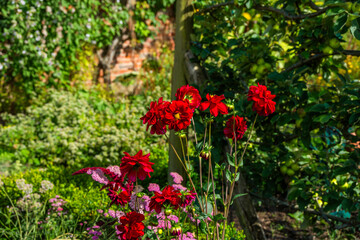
(17, 216)
(228, 200)
(192, 183)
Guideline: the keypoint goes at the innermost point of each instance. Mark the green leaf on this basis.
(228, 175)
(323, 118)
(319, 107)
(237, 176)
(203, 228)
(340, 22)
(249, 4)
(230, 159)
(354, 118)
(238, 195)
(218, 217)
(355, 28)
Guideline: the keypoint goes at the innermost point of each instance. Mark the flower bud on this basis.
(160, 231)
(230, 106)
(168, 212)
(183, 135)
(176, 231)
(205, 155)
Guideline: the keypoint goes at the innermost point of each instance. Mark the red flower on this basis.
(262, 100)
(138, 166)
(131, 227)
(189, 94)
(215, 104)
(119, 198)
(237, 125)
(168, 196)
(187, 198)
(178, 115)
(154, 117)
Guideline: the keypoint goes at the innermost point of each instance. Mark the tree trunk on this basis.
(183, 23)
(107, 76)
(245, 211)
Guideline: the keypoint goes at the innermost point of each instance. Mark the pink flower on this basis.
(112, 213)
(177, 177)
(179, 187)
(115, 169)
(98, 176)
(153, 187)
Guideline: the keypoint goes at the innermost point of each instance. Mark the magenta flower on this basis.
(177, 177)
(153, 187)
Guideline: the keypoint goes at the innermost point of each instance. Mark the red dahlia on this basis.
(262, 99)
(138, 166)
(189, 94)
(118, 195)
(178, 115)
(215, 104)
(237, 125)
(168, 196)
(187, 198)
(131, 227)
(154, 117)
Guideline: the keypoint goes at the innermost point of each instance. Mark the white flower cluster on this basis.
(70, 128)
(26, 188)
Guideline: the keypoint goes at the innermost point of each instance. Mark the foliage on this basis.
(177, 210)
(42, 42)
(297, 48)
(41, 39)
(76, 129)
(43, 218)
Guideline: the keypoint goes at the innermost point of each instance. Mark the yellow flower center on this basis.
(177, 116)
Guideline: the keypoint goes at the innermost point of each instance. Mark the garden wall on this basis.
(131, 58)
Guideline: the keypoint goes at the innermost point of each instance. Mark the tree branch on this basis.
(306, 61)
(321, 55)
(318, 12)
(215, 7)
(348, 222)
(289, 16)
(350, 52)
(314, 6)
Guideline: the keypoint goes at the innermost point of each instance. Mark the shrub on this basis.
(76, 129)
(23, 196)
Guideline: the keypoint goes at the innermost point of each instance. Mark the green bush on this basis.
(33, 207)
(77, 129)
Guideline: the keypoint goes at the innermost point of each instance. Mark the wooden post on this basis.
(183, 23)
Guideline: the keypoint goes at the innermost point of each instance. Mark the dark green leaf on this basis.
(340, 22)
(319, 107)
(323, 118)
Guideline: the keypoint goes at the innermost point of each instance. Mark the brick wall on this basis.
(130, 59)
